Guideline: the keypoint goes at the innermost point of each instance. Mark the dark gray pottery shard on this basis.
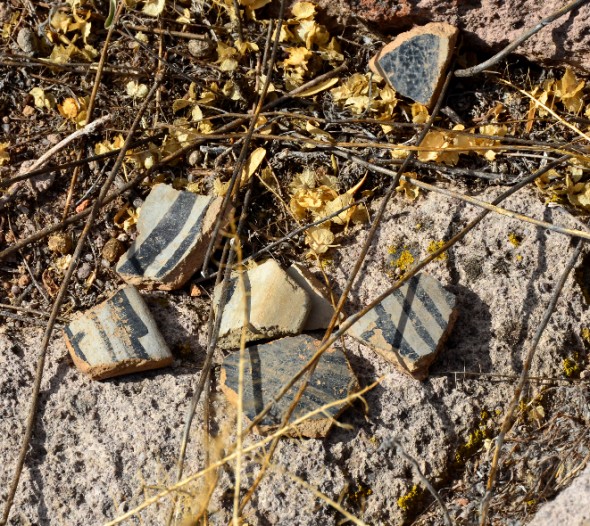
(117, 337)
(410, 326)
(174, 229)
(268, 367)
(414, 64)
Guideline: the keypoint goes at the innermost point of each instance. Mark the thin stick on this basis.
(470, 72)
(509, 417)
(13, 190)
(59, 300)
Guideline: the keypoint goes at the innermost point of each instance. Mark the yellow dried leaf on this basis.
(180, 104)
(319, 238)
(326, 84)
(579, 194)
(4, 155)
(196, 113)
(42, 100)
(154, 7)
(437, 141)
(62, 54)
(126, 217)
(254, 161)
(69, 108)
(419, 113)
(136, 90)
(298, 57)
(303, 10)
(569, 90)
(220, 188)
(409, 190)
(254, 4)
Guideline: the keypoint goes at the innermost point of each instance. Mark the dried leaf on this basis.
(154, 7)
(4, 155)
(254, 161)
(303, 10)
(409, 190)
(136, 90)
(42, 100)
(318, 88)
(319, 238)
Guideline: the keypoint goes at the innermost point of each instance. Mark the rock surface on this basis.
(321, 308)
(268, 367)
(276, 305)
(415, 62)
(174, 229)
(409, 327)
(117, 337)
(487, 24)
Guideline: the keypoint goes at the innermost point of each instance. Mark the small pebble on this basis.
(61, 243)
(15, 290)
(112, 250)
(138, 202)
(27, 40)
(88, 257)
(201, 48)
(84, 271)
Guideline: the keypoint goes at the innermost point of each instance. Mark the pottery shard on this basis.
(415, 62)
(174, 228)
(410, 326)
(117, 337)
(268, 367)
(321, 308)
(275, 306)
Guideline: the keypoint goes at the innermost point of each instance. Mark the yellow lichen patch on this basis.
(571, 365)
(474, 442)
(433, 246)
(401, 260)
(586, 334)
(515, 239)
(411, 498)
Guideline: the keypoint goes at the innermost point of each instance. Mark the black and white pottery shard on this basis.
(268, 367)
(117, 337)
(415, 62)
(410, 326)
(174, 229)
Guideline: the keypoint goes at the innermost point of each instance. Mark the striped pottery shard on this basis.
(268, 367)
(273, 306)
(410, 326)
(414, 64)
(174, 229)
(117, 337)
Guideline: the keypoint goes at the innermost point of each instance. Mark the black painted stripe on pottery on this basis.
(431, 306)
(184, 246)
(75, 342)
(106, 342)
(161, 236)
(391, 333)
(405, 303)
(133, 326)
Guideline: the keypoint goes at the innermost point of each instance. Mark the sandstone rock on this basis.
(268, 367)
(489, 24)
(409, 327)
(112, 250)
(415, 62)
(174, 228)
(321, 308)
(117, 337)
(27, 40)
(276, 305)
